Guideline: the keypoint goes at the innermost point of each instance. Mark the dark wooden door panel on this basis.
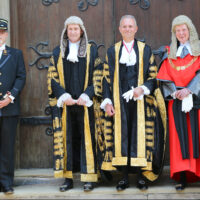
(33, 23)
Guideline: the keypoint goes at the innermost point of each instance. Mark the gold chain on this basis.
(178, 68)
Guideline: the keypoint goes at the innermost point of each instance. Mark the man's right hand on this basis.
(110, 110)
(69, 102)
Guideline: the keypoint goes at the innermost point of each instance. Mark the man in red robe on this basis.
(180, 81)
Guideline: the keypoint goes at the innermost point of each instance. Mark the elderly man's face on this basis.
(74, 32)
(3, 37)
(128, 29)
(182, 33)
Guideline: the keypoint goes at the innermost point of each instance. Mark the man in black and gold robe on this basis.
(71, 91)
(132, 98)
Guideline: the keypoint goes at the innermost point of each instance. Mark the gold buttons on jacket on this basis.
(0, 83)
(0, 94)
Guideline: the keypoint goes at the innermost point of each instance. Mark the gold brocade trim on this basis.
(88, 139)
(67, 174)
(149, 137)
(163, 113)
(153, 68)
(152, 59)
(106, 72)
(153, 74)
(64, 112)
(117, 116)
(149, 123)
(138, 162)
(150, 175)
(161, 105)
(88, 143)
(148, 167)
(178, 68)
(56, 123)
(89, 177)
(60, 71)
(97, 62)
(61, 174)
(87, 66)
(150, 101)
(150, 144)
(107, 166)
(119, 161)
(140, 108)
(58, 134)
(149, 130)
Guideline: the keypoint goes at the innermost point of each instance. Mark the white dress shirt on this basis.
(73, 51)
(2, 48)
(128, 57)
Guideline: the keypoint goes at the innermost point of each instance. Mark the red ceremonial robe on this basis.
(181, 72)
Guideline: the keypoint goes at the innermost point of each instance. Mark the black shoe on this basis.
(8, 190)
(141, 184)
(180, 186)
(122, 185)
(182, 182)
(88, 186)
(68, 184)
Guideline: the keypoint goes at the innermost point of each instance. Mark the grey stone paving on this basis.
(40, 184)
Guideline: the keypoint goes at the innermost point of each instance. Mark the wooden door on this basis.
(36, 28)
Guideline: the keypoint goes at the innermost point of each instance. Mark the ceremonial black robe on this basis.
(75, 79)
(147, 148)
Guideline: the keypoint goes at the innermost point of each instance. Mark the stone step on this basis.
(40, 184)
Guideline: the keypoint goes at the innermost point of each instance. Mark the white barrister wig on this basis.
(194, 39)
(84, 40)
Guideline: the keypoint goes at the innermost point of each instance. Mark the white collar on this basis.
(3, 47)
(128, 44)
(180, 48)
(73, 51)
(128, 58)
(74, 44)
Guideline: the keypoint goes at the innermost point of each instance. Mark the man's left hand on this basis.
(138, 92)
(81, 102)
(5, 102)
(181, 94)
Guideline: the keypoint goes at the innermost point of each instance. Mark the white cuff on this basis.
(63, 98)
(138, 98)
(10, 96)
(146, 90)
(187, 103)
(104, 103)
(86, 98)
(173, 95)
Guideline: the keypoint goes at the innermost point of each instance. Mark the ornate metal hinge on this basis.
(144, 4)
(42, 55)
(49, 2)
(82, 7)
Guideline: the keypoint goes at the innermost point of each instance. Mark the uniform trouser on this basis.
(8, 127)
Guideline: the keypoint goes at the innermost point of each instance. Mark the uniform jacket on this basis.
(12, 79)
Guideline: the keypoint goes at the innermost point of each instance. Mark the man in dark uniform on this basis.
(12, 80)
